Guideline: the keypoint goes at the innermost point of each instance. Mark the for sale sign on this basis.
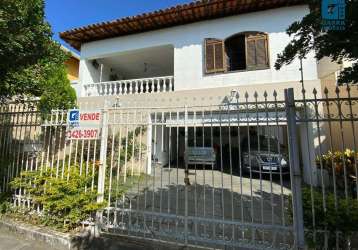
(83, 124)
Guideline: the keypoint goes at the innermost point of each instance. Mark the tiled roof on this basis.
(177, 15)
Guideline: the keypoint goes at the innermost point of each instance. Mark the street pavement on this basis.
(11, 241)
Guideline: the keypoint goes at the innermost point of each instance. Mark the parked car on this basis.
(264, 154)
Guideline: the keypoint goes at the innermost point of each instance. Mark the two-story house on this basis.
(203, 45)
(193, 54)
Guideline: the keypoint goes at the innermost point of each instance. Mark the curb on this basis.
(87, 241)
(56, 240)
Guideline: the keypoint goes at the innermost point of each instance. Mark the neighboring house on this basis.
(194, 54)
(73, 67)
(329, 73)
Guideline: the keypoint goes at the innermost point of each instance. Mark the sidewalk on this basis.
(17, 236)
(11, 241)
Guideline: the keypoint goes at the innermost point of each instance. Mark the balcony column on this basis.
(132, 87)
(117, 88)
(170, 84)
(113, 88)
(100, 89)
(109, 88)
(121, 88)
(154, 89)
(136, 86)
(105, 88)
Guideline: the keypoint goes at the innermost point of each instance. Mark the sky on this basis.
(67, 14)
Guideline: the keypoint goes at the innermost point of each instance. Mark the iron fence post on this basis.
(103, 155)
(186, 180)
(295, 173)
(101, 172)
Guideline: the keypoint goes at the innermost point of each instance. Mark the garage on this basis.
(231, 138)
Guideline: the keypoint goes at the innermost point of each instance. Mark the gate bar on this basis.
(295, 173)
(103, 154)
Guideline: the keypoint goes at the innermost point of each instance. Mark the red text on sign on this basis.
(82, 134)
(90, 117)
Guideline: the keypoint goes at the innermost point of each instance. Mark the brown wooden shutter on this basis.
(250, 54)
(214, 56)
(262, 52)
(209, 57)
(257, 52)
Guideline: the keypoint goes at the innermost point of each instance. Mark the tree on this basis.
(31, 63)
(309, 35)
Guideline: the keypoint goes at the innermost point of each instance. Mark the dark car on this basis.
(264, 154)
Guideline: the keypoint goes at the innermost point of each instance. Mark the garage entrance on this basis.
(228, 143)
(210, 176)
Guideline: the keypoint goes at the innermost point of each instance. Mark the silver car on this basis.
(265, 155)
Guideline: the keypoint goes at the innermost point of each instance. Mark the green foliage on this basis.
(341, 215)
(132, 142)
(119, 146)
(4, 167)
(4, 207)
(4, 202)
(31, 63)
(338, 45)
(337, 164)
(65, 202)
(58, 93)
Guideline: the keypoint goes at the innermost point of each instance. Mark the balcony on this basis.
(146, 70)
(129, 87)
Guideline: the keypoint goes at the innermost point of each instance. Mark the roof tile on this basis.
(177, 15)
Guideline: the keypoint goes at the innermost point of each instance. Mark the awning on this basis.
(234, 119)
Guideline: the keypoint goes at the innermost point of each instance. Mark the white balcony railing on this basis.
(129, 87)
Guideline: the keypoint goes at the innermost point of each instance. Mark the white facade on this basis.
(179, 52)
(188, 52)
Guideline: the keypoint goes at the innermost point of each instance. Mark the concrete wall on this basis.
(90, 74)
(343, 135)
(326, 67)
(188, 49)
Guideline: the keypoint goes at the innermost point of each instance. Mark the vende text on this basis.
(90, 117)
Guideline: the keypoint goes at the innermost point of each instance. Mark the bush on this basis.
(4, 202)
(342, 219)
(337, 161)
(66, 203)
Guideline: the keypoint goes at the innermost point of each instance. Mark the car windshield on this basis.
(261, 143)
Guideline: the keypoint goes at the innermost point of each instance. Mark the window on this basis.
(214, 53)
(244, 51)
(235, 53)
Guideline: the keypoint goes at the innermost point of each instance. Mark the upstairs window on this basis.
(244, 51)
(214, 54)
